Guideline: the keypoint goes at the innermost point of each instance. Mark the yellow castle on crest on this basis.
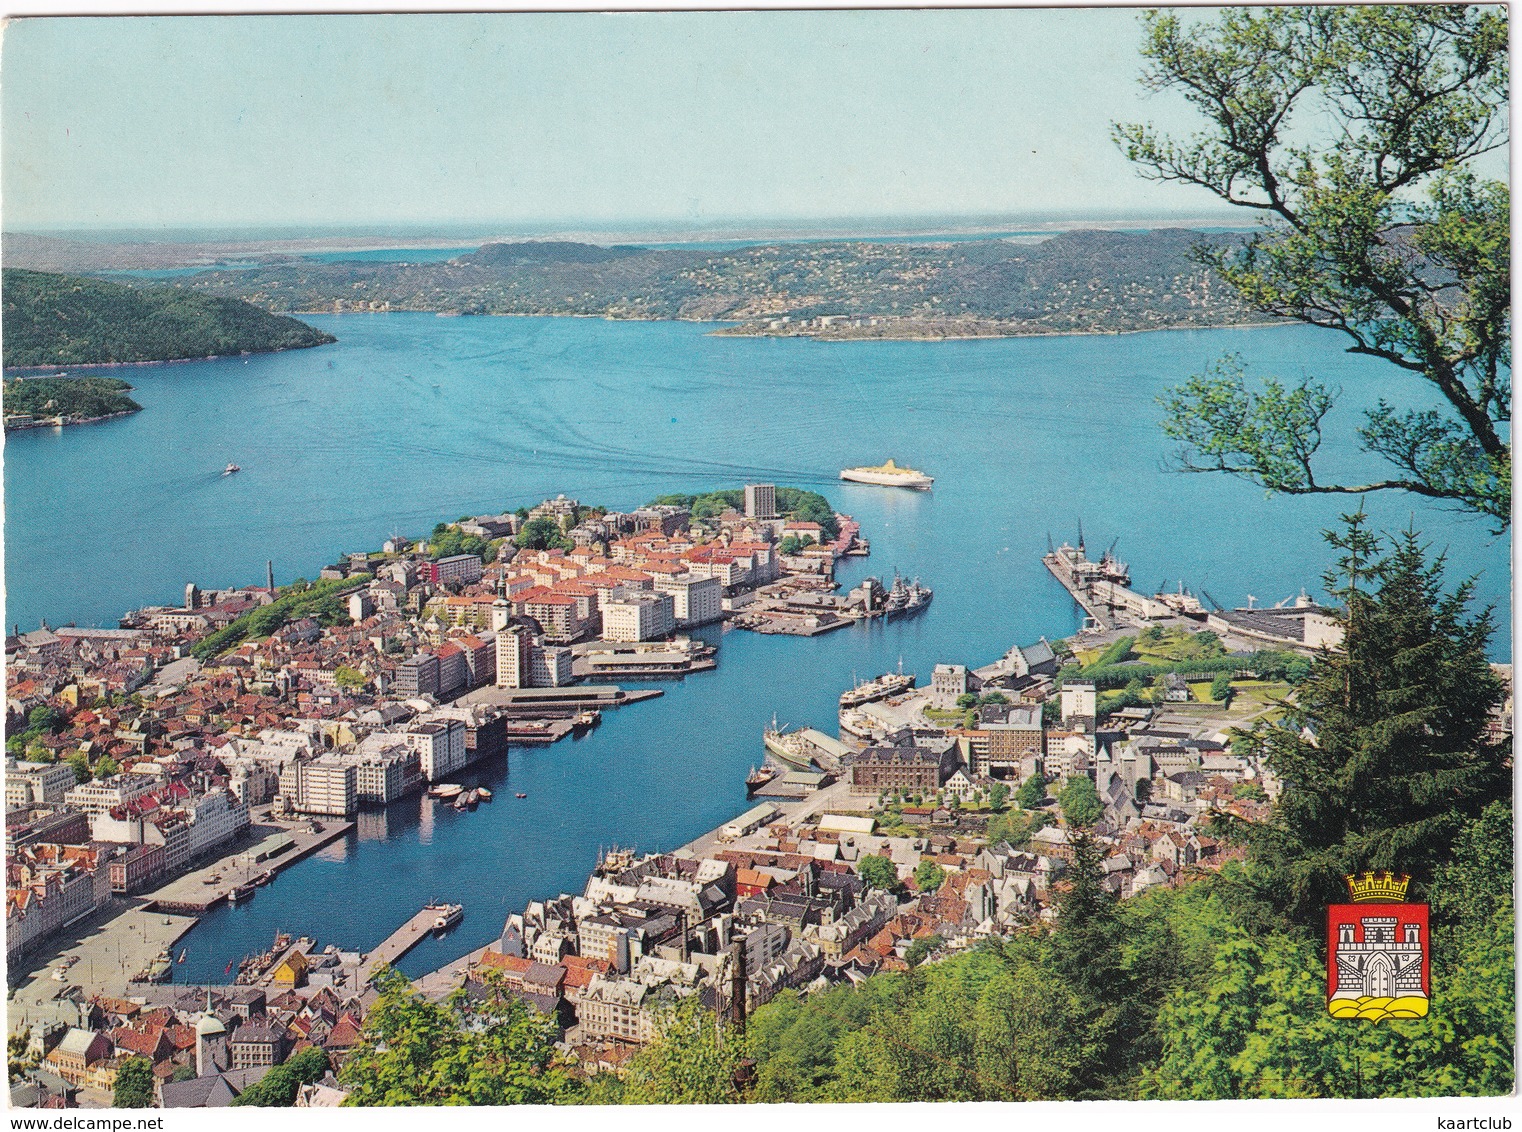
(1385, 888)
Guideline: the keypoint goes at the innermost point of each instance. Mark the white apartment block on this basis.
(440, 747)
(639, 616)
(118, 790)
(695, 600)
(36, 784)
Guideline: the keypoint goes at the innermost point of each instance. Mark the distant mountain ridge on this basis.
(76, 320)
(1082, 281)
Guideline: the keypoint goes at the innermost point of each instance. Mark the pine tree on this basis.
(1382, 755)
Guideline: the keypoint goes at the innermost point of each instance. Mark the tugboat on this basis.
(759, 778)
(230, 469)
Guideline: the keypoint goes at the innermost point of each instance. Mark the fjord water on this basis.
(411, 418)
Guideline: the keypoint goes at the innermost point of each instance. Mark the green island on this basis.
(1082, 281)
(36, 401)
(74, 320)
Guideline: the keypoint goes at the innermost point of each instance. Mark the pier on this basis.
(272, 849)
(401, 941)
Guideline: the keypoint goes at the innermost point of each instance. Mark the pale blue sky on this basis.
(694, 117)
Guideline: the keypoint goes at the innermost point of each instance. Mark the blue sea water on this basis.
(411, 418)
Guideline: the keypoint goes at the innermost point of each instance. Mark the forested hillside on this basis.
(73, 320)
(1084, 281)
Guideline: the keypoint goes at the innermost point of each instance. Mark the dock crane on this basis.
(1206, 595)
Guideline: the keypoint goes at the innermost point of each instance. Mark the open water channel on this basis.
(411, 418)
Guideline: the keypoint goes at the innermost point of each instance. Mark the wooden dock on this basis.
(399, 942)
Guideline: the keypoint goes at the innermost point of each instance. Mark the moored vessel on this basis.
(446, 915)
(445, 790)
(888, 474)
(888, 684)
(788, 747)
(483, 794)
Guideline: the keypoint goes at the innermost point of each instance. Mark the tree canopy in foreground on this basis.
(1354, 131)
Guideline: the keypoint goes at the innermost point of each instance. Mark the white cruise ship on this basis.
(889, 475)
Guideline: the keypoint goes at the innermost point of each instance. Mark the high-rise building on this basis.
(760, 501)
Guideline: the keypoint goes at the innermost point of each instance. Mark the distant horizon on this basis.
(645, 229)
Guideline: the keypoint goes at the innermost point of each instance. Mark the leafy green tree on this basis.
(134, 1084)
(1220, 688)
(929, 876)
(879, 872)
(349, 678)
(105, 767)
(1382, 751)
(998, 795)
(1352, 130)
(279, 1086)
(1252, 791)
(1032, 792)
(967, 700)
(692, 1061)
(542, 533)
(45, 717)
(1080, 801)
(81, 765)
(494, 1051)
(922, 948)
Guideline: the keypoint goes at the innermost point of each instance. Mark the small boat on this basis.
(520, 795)
(264, 877)
(183, 952)
(241, 892)
(483, 794)
(461, 804)
(230, 469)
(759, 778)
(213, 879)
(448, 915)
(446, 790)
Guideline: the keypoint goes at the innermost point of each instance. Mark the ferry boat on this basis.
(230, 469)
(888, 684)
(889, 475)
(448, 915)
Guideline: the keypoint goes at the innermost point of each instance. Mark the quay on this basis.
(546, 701)
(401, 941)
(273, 849)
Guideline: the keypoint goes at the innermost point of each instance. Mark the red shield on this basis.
(1378, 960)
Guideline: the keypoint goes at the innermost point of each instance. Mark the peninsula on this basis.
(36, 402)
(1075, 282)
(74, 320)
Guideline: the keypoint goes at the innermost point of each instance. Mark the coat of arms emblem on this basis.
(1377, 951)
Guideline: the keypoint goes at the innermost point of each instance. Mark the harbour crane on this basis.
(1206, 595)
